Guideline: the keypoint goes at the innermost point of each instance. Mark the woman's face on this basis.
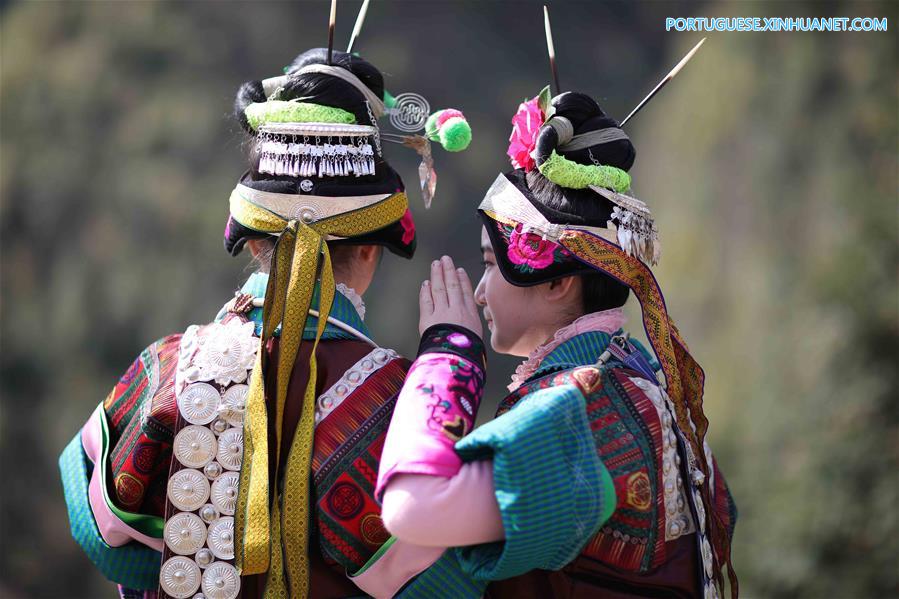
(514, 315)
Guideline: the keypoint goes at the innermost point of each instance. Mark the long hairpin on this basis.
(551, 49)
(357, 28)
(332, 20)
(671, 75)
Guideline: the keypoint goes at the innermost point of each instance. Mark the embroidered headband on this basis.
(505, 202)
(306, 208)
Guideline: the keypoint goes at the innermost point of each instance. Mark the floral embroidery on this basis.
(459, 340)
(529, 251)
(408, 227)
(525, 125)
(453, 414)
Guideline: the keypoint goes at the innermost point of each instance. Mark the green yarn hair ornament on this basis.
(566, 173)
(279, 111)
(449, 128)
(389, 100)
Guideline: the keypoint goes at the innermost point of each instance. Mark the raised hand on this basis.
(447, 297)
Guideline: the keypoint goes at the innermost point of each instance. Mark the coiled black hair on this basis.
(600, 291)
(318, 88)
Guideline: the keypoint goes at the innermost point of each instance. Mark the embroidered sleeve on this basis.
(453, 339)
(114, 471)
(436, 407)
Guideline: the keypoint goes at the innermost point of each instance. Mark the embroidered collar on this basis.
(355, 298)
(575, 349)
(343, 309)
(605, 322)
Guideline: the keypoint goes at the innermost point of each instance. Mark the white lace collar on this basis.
(355, 298)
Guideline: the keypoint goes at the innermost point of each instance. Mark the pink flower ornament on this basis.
(408, 226)
(525, 126)
(531, 250)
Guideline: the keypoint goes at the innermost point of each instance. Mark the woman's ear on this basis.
(368, 254)
(563, 291)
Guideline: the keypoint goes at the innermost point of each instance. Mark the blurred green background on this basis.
(770, 163)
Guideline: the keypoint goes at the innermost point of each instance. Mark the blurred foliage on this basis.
(771, 163)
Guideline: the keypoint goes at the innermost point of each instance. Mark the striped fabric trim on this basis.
(347, 421)
(133, 565)
(445, 578)
(585, 349)
(553, 491)
(354, 376)
(347, 448)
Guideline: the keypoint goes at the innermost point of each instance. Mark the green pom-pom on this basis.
(454, 134)
(389, 100)
(279, 111)
(431, 125)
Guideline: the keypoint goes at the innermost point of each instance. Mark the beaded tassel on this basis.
(285, 155)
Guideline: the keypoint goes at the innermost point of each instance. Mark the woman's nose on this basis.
(479, 298)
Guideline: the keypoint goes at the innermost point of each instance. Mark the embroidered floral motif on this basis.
(408, 227)
(459, 340)
(454, 414)
(525, 126)
(528, 251)
(454, 340)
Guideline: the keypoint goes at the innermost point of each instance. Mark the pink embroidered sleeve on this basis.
(444, 512)
(436, 406)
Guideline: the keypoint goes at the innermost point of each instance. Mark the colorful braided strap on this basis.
(277, 540)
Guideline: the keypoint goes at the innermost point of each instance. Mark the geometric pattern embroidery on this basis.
(627, 431)
(346, 452)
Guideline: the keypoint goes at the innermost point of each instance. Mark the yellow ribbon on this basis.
(273, 536)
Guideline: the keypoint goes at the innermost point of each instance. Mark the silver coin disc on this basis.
(188, 489)
(179, 577)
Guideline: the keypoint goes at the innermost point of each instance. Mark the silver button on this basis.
(208, 513)
(220, 426)
(184, 533)
(212, 470)
(199, 402)
(230, 449)
(305, 185)
(194, 446)
(204, 557)
(179, 577)
(221, 581)
(221, 538)
(224, 492)
(188, 490)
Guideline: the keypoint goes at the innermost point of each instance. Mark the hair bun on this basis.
(250, 92)
(613, 148)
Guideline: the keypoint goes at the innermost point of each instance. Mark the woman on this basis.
(594, 479)
(215, 467)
